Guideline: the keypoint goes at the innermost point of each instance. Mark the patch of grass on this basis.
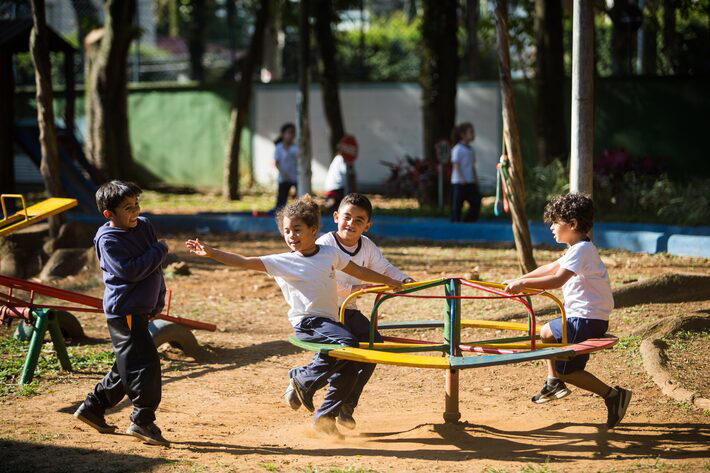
(269, 466)
(331, 469)
(12, 358)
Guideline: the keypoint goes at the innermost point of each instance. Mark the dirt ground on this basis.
(224, 412)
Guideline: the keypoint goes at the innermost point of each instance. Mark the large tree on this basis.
(324, 17)
(472, 53)
(49, 164)
(197, 38)
(550, 79)
(304, 127)
(108, 144)
(521, 233)
(438, 73)
(241, 99)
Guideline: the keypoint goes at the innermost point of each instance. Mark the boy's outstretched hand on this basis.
(199, 248)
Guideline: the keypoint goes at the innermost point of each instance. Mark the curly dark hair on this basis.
(568, 207)
(304, 209)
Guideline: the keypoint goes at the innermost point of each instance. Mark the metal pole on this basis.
(28, 370)
(582, 139)
(453, 336)
(58, 341)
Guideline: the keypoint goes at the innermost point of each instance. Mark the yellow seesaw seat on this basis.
(32, 214)
(399, 359)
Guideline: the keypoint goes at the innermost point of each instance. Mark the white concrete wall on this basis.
(385, 118)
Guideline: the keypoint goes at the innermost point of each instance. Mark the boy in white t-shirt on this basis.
(588, 302)
(353, 218)
(306, 276)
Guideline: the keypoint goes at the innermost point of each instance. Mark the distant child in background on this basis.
(306, 276)
(336, 181)
(131, 260)
(353, 218)
(464, 181)
(588, 302)
(286, 161)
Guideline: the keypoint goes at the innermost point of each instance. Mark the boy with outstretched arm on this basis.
(306, 276)
(588, 302)
(353, 218)
(131, 260)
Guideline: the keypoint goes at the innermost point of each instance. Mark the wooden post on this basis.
(304, 129)
(582, 139)
(521, 232)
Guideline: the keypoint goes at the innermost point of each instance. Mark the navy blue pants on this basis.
(461, 193)
(359, 325)
(282, 194)
(346, 379)
(579, 329)
(135, 373)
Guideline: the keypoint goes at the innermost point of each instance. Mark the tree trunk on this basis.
(623, 40)
(241, 99)
(87, 17)
(304, 128)
(649, 55)
(334, 128)
(521, 232)
(550, 75)
(473, 54)
(7, 117)
(582, 126)
(670, 37)
(49, 165)
(274, 43)
(196, 39)
(438, 74)
(108, 144)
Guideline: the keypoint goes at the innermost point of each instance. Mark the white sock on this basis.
(552, 380)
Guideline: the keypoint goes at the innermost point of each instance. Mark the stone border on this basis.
(655, 360)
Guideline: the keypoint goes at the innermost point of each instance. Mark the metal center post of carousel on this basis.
(452, 336)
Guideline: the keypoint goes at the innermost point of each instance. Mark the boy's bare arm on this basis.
(365, 274)
(230, 259)
(547, 281)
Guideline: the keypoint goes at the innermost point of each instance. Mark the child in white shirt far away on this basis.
(588, 302)
(306, 276)
(353, 218)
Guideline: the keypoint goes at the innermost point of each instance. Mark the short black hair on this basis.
(112, 193)
(358, 200)
(305, 209)
(567, 207)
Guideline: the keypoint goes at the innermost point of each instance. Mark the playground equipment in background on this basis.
(490, 352)
(77, 176)
(39, 317)
(32, 214)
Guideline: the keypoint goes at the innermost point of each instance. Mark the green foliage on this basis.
(630, 197)
(390, 52)
(541, 184)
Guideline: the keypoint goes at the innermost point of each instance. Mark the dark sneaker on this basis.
(307, 401)
(148, 433)
(290, 397)
(326, 425)
(551, 392)
(93, 419)
(616, 405)
(345, 418)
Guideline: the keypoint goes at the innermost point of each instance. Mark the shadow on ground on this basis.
(20, 457)
(552, 443)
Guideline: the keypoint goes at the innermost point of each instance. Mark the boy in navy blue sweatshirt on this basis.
(131, 259)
